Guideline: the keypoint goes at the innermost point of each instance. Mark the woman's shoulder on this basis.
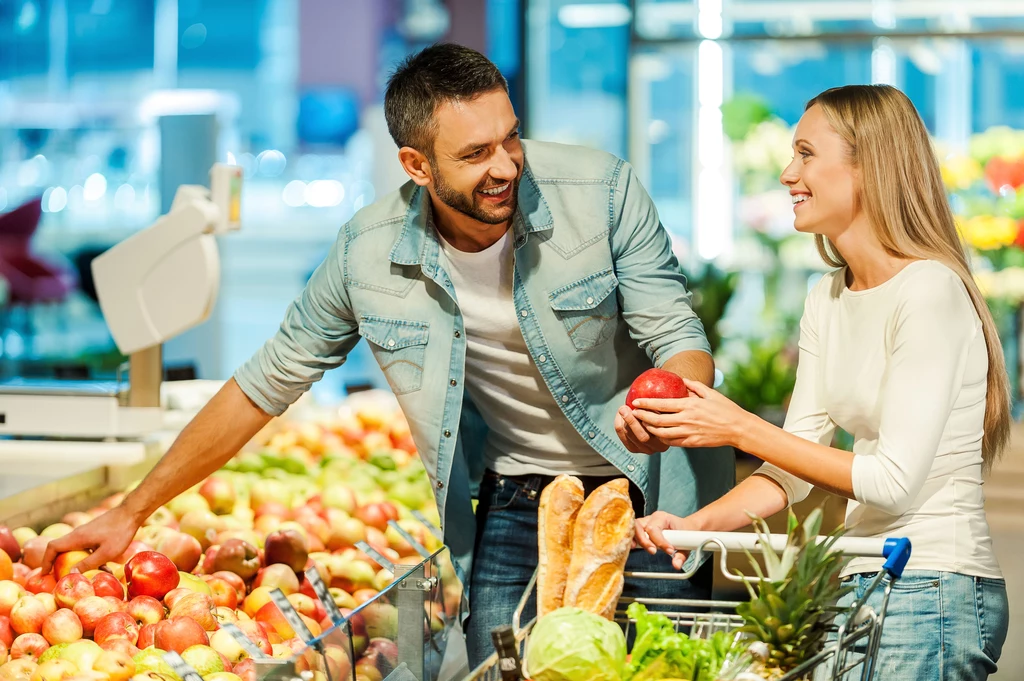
(930, 282)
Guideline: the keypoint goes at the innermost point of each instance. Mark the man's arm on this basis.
(695, 365)
(218, 431)
(318, 332)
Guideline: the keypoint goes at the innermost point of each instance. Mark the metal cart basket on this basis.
(849, 652)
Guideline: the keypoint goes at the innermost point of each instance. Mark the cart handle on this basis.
(895, 550)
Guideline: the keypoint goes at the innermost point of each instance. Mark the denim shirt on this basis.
(600, 299)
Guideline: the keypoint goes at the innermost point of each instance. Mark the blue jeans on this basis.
(506, 557)
(939, 626)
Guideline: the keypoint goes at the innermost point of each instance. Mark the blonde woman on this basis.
(897, 347)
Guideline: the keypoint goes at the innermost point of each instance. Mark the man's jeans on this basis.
(506, 556)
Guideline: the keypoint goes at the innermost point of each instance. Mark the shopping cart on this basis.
(851, 647)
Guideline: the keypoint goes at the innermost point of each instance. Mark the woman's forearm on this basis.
(757, 494)
(829, 468)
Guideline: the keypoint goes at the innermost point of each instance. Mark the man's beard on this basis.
(466, 205)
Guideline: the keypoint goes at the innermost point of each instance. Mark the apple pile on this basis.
(302, 497)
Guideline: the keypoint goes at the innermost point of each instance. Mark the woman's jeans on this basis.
(939, 626)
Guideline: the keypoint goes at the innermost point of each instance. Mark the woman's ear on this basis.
(416, 165)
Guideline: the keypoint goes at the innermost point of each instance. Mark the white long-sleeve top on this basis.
(903, 368)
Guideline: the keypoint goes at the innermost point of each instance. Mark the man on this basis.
(511, 292)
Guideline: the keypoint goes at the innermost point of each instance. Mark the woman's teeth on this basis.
(800, 198)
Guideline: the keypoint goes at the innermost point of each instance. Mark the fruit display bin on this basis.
(402, 634)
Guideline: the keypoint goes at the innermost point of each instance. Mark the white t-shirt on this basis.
(903, 368)
(528, 433)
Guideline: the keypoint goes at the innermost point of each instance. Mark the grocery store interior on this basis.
(107, 107)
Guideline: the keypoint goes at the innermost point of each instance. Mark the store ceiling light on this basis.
(593, 15)
(324, 193)
(95, 187)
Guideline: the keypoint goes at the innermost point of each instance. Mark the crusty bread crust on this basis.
(560, 502)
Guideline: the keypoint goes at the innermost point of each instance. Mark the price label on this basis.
(373, 553)
(286, 608)
(431, 527)
(324, 594)
(416, 546)
(244, 641)
(183, 669)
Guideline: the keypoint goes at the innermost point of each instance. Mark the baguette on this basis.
(601, 542)
(559, 503)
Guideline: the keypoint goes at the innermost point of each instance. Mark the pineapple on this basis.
(788, 610)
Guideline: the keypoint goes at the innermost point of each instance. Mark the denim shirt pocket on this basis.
(588, 308)
(400, 347)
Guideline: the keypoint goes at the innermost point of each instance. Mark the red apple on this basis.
(146, 610)
(48, 601)
(278, 575)
(219, 494)
(275, 508)
(147, 635)
(106, 584)
(116, 625)
(179, 633)
(62, 626)
(116, 603)
(21, 573)
(175, 595)
(245, 670)
(289, 547)
(91, 610)
(203, 525)
(150, 574)
(656, 383)
(39, 583)
(234, 580)
(238, 556)
(28, 645)
(183, 550)
(76, 518)
(65, 562)
(373, 515)
(72, 588)
(6, 632)
(9, 545)
(224, 594)
(198, 607)
(33, 550)
(121, 645)
(27, 615)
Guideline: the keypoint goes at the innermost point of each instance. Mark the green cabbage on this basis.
(571, 644)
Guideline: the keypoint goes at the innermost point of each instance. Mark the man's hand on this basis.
(634, 435)
(650, 537)
(107, 536)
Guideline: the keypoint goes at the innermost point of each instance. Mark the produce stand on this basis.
(851, 648)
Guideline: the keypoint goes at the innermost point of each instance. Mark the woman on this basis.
(897, 347)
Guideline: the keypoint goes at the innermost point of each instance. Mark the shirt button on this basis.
(591, 435)
(458, 335)
(525, 313)
(590, 301)
(391, 343)
(447, 433)
(454, 383)
(542, 358)
(565, 398)
(440, 485)
(630, 468)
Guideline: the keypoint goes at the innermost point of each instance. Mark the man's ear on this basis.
(416, 165)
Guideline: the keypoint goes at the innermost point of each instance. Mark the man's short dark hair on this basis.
(442, 73)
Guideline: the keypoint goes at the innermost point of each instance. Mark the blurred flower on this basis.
(1005, 284)
(988, 232)
(767, 149)
(960, 172)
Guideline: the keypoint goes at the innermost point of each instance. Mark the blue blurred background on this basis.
(699, 96)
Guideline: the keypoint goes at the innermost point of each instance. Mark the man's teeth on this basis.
(800, 198)
(496, 190)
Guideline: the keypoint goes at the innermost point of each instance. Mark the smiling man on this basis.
(511, 292)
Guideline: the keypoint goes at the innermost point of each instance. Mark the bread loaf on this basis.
(600, 546)
(560, 502)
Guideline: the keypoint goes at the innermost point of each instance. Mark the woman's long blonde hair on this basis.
(903, 196)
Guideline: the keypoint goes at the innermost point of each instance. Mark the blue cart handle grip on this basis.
(896, 553)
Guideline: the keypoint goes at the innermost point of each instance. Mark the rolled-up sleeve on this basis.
(317, 334)
(652, 291)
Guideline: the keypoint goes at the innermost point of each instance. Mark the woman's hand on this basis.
(705, 419)
(649, 534)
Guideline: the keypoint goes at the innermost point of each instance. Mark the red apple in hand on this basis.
(658, 384)
(150, 574)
